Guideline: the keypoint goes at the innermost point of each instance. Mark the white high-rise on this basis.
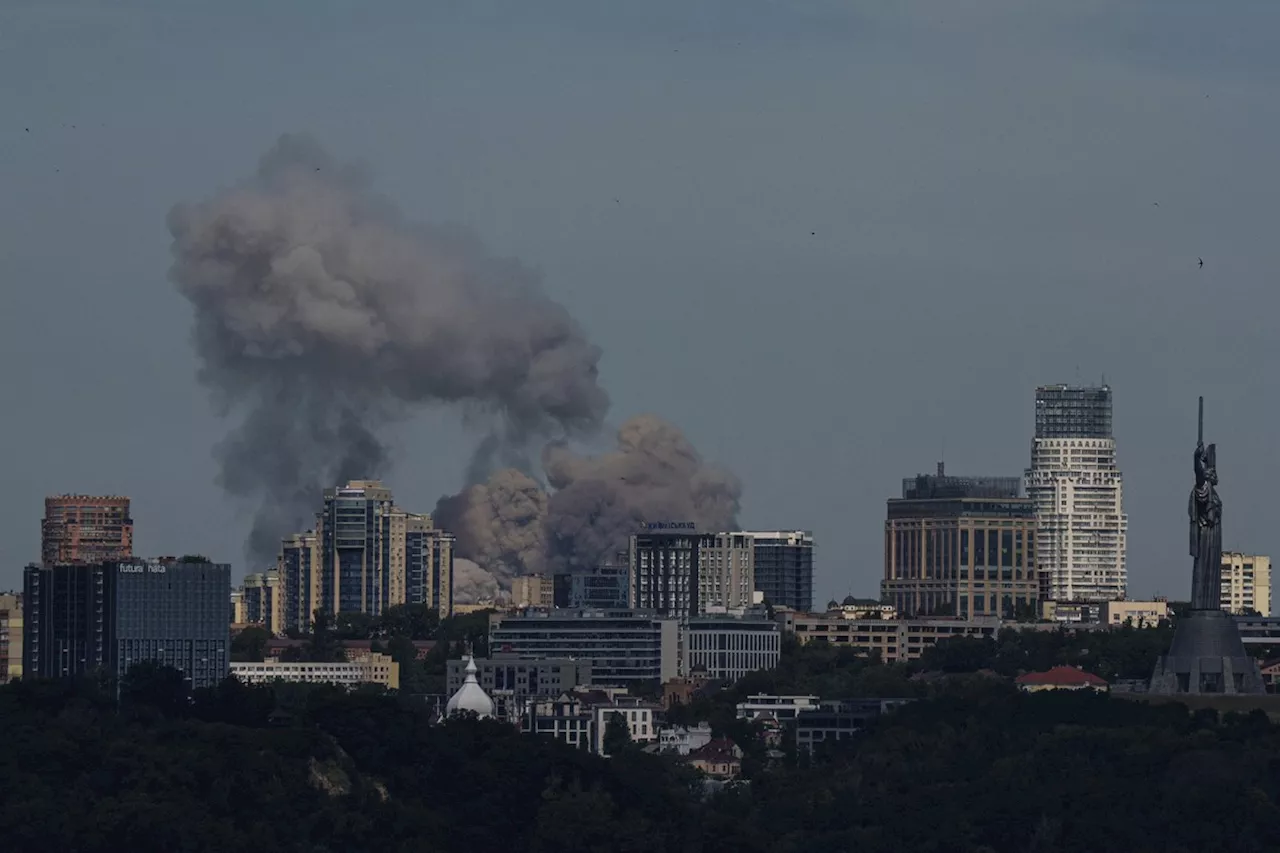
(1081, 527)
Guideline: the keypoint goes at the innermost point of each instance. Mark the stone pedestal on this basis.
(1207, 657)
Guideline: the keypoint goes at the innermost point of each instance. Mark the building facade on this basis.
(262, 602)
(1078, 490)
(85, 529)
(624, 647)
(837, 719)
(364, 556)
(532, 591)
(726, 572)
(10, 637)
(299, 573)
(664, 573)
(784, 567)
(604, 587)
(963, 546)
(107, 617)
(369, 668)
(1246, 584)
(522, 677)
(894, 641)
(1139, 614)
(729, 648)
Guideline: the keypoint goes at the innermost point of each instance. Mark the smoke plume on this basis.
(510, 527)
(322, 316)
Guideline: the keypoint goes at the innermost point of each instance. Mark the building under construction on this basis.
(1073, 411)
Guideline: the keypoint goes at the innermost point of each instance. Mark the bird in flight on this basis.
(1201, 260)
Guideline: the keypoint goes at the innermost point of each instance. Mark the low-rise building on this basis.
(894, 641)
(1060, 678)
(521, 676)
(762, 706)
(373, 668)
(836, 719)
(683, 740)
(729, 648)
(625, 647)
(565, 718)
(1139, 614)
(635, 712)
(719, 759)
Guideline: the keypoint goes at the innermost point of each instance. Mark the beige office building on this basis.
(894, 641)
(1246, 583)
(962, 546)
(532, 591)
(10, 637)
(726, 572)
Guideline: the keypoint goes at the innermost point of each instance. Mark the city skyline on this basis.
(903, 237)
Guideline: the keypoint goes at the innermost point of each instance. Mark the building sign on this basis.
(139, 568)
(670, 525)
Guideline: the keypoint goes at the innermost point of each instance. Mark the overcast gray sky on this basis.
(847, 233)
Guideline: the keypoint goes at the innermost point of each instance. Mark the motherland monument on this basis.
(1207, 654)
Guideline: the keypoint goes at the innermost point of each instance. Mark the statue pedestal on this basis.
(1207, 656)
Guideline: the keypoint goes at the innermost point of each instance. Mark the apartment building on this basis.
(368, 668)
(85, 529)
(1246, 583)
(893, 641)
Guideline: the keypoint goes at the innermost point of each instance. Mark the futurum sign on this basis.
(670, 525)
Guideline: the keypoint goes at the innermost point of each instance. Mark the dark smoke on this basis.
(510, 527)
(322, 317)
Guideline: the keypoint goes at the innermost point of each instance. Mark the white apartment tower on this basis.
(1081, 527)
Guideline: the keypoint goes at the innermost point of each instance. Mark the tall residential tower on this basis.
(85, 529)
(1078, 495)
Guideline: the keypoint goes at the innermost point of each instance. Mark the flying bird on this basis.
(1201, 260)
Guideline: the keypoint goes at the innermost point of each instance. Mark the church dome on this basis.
(470, 696)
(850, 601)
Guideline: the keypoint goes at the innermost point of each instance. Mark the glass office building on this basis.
(109, 616)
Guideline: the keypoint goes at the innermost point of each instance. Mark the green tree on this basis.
(617, 735)
(150, 684)
(324, 644)
(250, 644)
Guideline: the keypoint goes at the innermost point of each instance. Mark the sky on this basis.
(848, 238)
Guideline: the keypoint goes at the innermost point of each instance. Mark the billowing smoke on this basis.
(510, 527)
(472, 583)
(322, 317)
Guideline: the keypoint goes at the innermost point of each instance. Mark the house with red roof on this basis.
(1061, 678)
(719, 759)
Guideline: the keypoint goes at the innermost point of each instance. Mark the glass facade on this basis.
(623, 647)
(113, 615)
(784, 568)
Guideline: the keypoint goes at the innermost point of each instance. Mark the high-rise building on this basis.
(1246, 583)
(10, 637)
(726, 572)
(365, 555)
(355, 548)
(262, 601)
(960, 546)
(664, 575)
(299, 570)
(85, 529)
(1078, 493)
(106, 617)
(428, 565)
(784, 567)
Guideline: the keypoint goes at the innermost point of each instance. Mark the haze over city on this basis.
(832, 242)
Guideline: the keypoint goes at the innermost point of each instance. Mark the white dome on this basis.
(470, 696)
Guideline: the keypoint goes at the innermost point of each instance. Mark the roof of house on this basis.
(719, 751)
(1062, 676)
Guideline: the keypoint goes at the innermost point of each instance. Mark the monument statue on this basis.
(1205, 511)
(1207, 654)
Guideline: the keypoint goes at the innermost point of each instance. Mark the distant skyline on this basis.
(827, 239)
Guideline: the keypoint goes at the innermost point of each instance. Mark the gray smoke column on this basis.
(322, 316)
(509, 527)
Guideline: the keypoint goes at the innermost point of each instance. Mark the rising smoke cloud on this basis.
(510, 527)
(323, 317)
